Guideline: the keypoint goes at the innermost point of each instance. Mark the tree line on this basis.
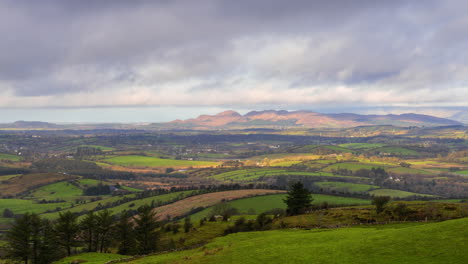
(35, 240)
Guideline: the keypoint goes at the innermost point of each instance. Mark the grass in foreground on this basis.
(443, 242)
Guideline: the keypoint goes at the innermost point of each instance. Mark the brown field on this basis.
(184, 206)
(20, 184)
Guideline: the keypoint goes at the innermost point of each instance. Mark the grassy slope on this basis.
(59, 190)
(395, 193)
(346, 186)
(142, 161)
(443, 242)
(19, 206)
(255, 174)
(264, 203)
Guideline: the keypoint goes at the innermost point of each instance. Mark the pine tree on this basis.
(125, 234)
(187, 224)
(18, 237)
(67, 229)
(104, 222)
(49, 248)
(146, 235)
(88, 227)
(298, 200)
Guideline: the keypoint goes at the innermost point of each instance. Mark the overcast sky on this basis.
(68, 60)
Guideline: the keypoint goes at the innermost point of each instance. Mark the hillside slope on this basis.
(443, 242)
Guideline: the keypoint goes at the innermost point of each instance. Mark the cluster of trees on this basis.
(82, 152)
(100, 189)
(40, 241)
(263, 222)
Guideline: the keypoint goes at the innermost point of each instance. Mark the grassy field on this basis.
(396, 193)
(260, 204)
(26, 182)
(143, 161)
(346, 186)
(90, 258)
(284, 163)
(255, 174)
(19, 206)
(353, 166)
(164, 198)
(88, 206)
(60, 190)
(11, 157)
(184, 206)
(431, 243)
(132, 205)
(361, 145)
(103, 148)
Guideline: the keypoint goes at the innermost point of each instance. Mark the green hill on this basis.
(443, 242)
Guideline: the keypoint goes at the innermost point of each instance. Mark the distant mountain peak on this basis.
(229, 113)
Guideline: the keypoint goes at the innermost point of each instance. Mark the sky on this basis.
(151, 61)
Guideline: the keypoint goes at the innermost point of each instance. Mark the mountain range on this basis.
(307, 119)
(276, 119)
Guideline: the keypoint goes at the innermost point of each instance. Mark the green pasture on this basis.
(10, 157)
(352, 166)
(144, 161)
(19, 206)
(403, 170)
(58, 190)
(164, 198)
(260, 204)
(346, 186)
(89, 205)
(103, 148)
(361, 145)
(255, 174)
(396, 193)
(430, 243)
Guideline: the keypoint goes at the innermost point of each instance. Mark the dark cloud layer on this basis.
(66, 53)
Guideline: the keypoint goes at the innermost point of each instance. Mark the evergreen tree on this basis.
(125, 234)
(49, 248)
(33, 240)
(18, 237)
(67, 229)
(88, 227)
(104, 222)
(145, 230)
(187, 224)
(298, 200)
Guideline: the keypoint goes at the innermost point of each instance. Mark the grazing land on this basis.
(261, 204)
(404, 243)
(144, 161)
(396, 193)
(184, 206)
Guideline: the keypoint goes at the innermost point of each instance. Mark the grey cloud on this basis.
(56, 47)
